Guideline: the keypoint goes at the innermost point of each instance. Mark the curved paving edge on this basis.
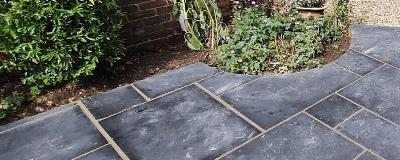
(348, 109)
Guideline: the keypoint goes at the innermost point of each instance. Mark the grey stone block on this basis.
(357, 63)
(379, 92)
(163, 83)
(187, 124)
(270, 100)
(113, 101)
(105, 153)
(333, 110)
(374, 133)
(226, 81)
(63, 134)
(389, 52)
(301, 138)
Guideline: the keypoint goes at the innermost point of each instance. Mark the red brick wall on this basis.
(151, 20)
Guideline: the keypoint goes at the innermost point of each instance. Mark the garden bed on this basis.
(137, 65)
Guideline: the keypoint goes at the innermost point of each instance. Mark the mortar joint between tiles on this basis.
(102, 131)
(343, 135)
(229, 107)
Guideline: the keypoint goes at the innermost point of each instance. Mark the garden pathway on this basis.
(349, 109)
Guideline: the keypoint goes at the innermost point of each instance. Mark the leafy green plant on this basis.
(278, 42)
(9, 103)
(201, 21)
(310, 3)
(51, 41)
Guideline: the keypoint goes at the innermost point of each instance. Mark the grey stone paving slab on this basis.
(226, 81)
(33, 119)
(358, 63)
(187, 124)
(364, 37)
(113, 101)
(379, 92)
(374, 133)
(270, 100)
(157, 85)
(388, 52)
(333, 110)
(301, 138)
(105, 153)
(367, 156)
(64, 134)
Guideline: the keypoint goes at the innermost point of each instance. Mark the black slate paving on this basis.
(63, 134)
(226, 81)
(163, 83)
(270, 100)
(301, 138)
(365, 37)
(190, 124)
(333, 110)
(104, 153)
(367, 156)
(388, 52)
(379, 92)
(187, 124)
(113, 101)
(358, 63)
(374, 133)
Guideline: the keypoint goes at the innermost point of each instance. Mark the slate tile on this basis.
(104, 153)
(113, 101)
(226, 81)
(34, 118)
(333, 110)
(379, 92)
(63, 134)
(365, 36)
(270, 100)
(374, 133)
(389, 51)
(357, 63)
(163, 83)
(188, 124)
(367, 156)
(301, 138)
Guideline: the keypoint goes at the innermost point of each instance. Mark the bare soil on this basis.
(138, 64)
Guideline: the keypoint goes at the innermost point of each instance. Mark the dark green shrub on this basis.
(52, 41)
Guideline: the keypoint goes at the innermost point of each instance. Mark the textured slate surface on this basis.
(301, 138)
(364, 37)
(63, 134)
(187, 124)
(226, 81)
(105, 153)
(379, 92)
(368, 156)
(374, 133)
(333, 110)
(157, 85)
(357, 63)
(113, 101)
(270, 100)
(388, 52)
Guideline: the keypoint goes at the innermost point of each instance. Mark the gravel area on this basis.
(376, 12)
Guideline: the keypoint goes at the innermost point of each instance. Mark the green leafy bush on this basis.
(279, 42)
(9, 103)
(51, 41)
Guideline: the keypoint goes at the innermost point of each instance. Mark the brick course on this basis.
(151, 20)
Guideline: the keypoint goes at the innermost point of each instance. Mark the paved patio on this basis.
(349, 109)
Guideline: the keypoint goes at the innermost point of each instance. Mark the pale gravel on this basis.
(376, 12)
